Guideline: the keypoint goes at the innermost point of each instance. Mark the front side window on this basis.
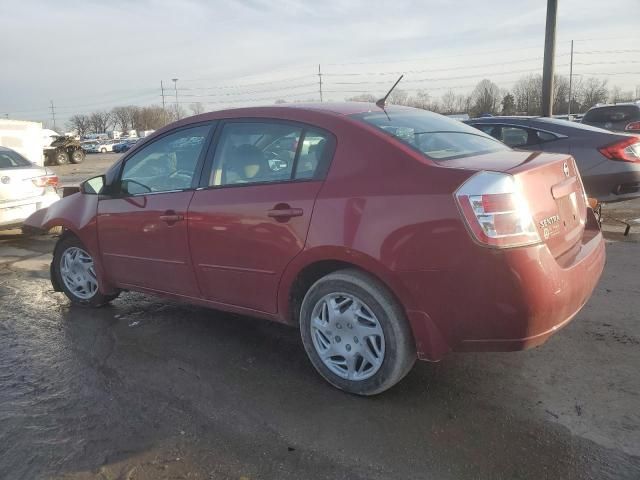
(261, 152)
(167, 164)
(435, 136)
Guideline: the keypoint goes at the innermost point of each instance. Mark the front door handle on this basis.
(171, 217)
(285, 213)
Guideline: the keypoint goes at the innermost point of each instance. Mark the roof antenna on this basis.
(382, 102)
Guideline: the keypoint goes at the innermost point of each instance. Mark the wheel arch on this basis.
(313, 264)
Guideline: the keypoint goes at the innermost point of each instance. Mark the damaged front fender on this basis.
(76, 214)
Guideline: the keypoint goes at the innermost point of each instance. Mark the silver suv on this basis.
(621, 117)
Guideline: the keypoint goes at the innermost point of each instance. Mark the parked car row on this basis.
(124, 145)
(105, 146)
(609, 161)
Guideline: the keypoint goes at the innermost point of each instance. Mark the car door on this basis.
(142, 228)
(252, 214)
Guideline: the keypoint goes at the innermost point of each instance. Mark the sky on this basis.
(90, 55)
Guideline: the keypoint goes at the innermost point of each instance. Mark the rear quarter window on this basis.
(437, 137)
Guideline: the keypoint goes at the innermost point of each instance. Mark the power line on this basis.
(242, 85)
(246, 92)
(430, 70)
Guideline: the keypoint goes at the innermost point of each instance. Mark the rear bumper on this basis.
(14, 214)
(505, 300)
(614, 182)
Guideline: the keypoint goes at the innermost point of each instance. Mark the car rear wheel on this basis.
(74, 271)
(355, 333)
(61, 157)
(77, 156)
(103, 150)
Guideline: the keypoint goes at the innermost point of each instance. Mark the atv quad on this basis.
(63, 150)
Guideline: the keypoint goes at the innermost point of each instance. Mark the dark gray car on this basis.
(609, 162)
(622, 117)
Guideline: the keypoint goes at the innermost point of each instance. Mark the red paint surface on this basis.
(382, 208)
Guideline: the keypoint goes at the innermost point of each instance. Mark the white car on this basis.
(24, 188)
(99, 147)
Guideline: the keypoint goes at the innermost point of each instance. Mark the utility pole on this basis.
(570, 81)
(162, 93)
(549, 54)
(320, 81)
(175, 86)
(53, 114)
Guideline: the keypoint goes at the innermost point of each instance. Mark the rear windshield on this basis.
(616, 113)
(438, 138)
(10, 159)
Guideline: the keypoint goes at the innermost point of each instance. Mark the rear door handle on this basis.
(284, 213)
(171, 217)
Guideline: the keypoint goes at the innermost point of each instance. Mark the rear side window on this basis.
(267, 152)
(437, 137)
(9, 159)
(617, 113)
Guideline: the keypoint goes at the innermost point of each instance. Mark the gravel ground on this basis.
(153, 389)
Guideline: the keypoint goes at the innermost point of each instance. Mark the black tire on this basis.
(399, 350)
(64, 243)
(61, 157)
(77, 156)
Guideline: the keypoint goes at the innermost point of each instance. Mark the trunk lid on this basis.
(16, 183)
(552, 186)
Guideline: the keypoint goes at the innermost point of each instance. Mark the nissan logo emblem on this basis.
(565, 169)
(5, 180)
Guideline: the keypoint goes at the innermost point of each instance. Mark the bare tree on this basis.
(80, 123)
(421, 99)
(486, 97)
(560, 94)
(398, 97)
(528, 95)
(123, 117)
(100, 121)
(196, 108)
(594, 91)
(449, 102)
(150, 118)
(363, 97)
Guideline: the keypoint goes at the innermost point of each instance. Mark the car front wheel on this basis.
(74, 272)
(355, 333)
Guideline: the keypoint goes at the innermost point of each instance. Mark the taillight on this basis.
(633, 127)
(496, 212)
(45, 181)
(627, 150)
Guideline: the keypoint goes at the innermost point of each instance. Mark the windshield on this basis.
(11, 159)
(435, 136)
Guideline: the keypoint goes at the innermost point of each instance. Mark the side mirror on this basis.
(93, 186)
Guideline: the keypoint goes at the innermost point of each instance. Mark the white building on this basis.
(24, 137)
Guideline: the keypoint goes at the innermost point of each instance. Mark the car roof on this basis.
(621, 104)
(333, 108)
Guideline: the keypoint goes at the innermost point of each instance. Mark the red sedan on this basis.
(384, 235)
